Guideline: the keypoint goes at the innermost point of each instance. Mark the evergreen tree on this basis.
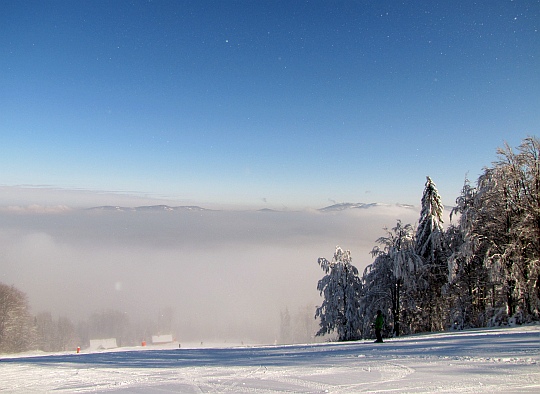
(341, 289)
(429, 240)
(430, 246)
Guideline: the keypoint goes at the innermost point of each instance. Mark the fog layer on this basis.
(227, 275)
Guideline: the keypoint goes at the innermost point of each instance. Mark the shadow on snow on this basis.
(456, 345)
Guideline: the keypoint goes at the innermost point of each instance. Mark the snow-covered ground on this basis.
(487, 360)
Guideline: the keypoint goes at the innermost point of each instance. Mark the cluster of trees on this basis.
(482, 270)
(21, 331)
(16, 329)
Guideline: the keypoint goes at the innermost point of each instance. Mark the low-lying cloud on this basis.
(226, 274)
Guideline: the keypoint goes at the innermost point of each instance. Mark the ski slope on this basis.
(476, 361)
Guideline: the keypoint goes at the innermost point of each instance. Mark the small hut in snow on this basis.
(161, 339)
(100, 344)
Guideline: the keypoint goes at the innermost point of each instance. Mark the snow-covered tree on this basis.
(484, 269)
(495, 255)
(468, 280)
(527, 228)
(430, 246)
(55, 335)
(340, 287)
(393, 279)
(429, 234)
(17, 332)
(46, 332)
(509, 195)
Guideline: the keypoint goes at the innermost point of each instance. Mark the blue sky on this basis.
(264, 103)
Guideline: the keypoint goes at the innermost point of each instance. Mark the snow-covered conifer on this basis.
(430, 246)
(430, 225)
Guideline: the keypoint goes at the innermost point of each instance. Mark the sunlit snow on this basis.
(479, 361)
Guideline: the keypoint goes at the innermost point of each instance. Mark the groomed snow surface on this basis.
(477, 361)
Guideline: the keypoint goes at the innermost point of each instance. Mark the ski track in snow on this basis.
(479, 361)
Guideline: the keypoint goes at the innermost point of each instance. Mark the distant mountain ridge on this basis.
(360, 205)
(167, 208)
(149, 208)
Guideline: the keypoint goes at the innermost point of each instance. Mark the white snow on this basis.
(475, 361)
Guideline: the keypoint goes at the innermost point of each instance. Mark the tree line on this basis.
(21, 331)
(482, 270)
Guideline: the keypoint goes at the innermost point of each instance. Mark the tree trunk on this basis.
(511, 302)
(396, 309)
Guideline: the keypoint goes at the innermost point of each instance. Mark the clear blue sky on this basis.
(278, 103)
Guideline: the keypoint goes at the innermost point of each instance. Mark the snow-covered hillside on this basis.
(479, 361)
